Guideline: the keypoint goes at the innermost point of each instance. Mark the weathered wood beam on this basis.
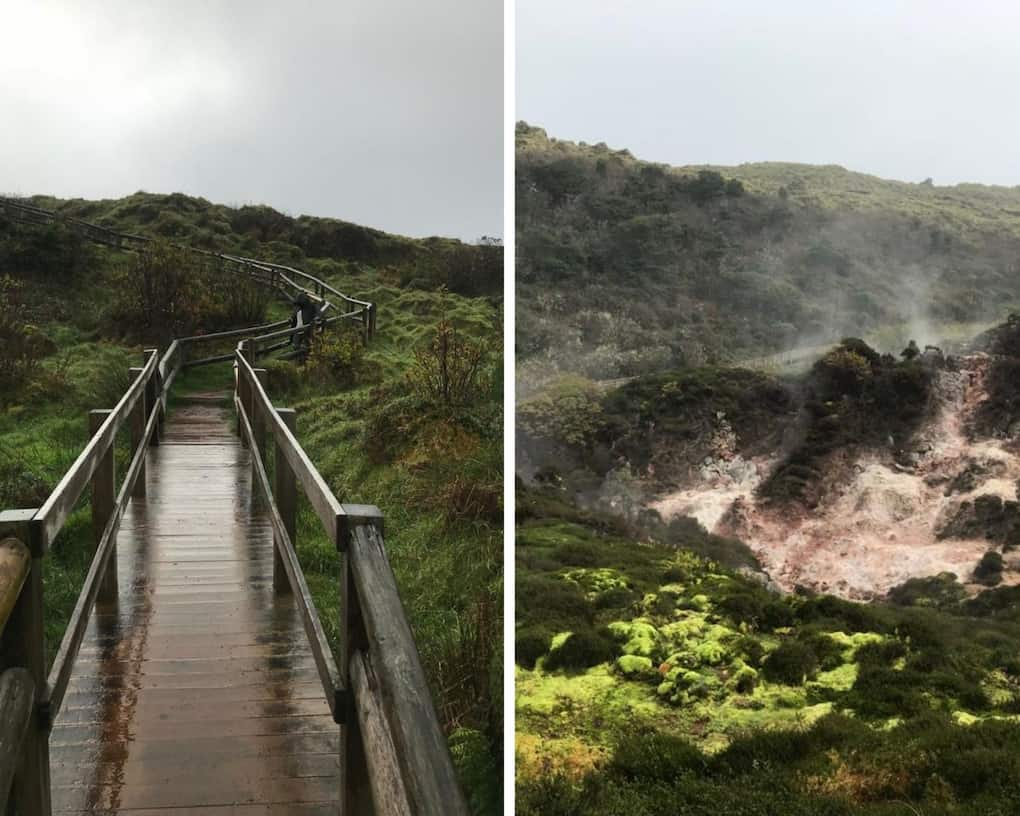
(402, 689)
(17, 699)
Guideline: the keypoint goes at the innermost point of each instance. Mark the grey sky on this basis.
(900, 89)
(388, 113)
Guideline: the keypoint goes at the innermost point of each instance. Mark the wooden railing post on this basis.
(411, 746)
(104, 497)
(355, 783)
(25, 645)
(136, 423)
(285, 496)
(151, 393)
(255, 413)
(243, 391)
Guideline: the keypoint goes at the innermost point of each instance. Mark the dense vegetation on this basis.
(412, 423)
(626, 267)
(655, 680)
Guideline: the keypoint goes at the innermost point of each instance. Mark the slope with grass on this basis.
(412, 424)
(627, 267)
(654, 680)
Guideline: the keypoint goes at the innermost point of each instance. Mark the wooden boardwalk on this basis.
(196, 692)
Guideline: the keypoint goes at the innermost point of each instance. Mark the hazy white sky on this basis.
(903, 89)
(388, 113)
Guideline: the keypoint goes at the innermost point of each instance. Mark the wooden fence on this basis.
(286, 280)
(394, 754)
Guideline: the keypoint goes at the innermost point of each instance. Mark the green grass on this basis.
(852, 706)
(40, 437)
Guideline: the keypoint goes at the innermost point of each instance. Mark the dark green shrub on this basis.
(791, 663)
(989, 569)
(751, 650)
(939, 591)
(452, 372)
(758, 608)
(336, 355)
(655, 757)
(584, 648)
(577, 554)
(552, 602)
(615, 598)
(881, 692)
(530, 645)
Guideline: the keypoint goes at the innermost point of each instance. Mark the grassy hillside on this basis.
(627, 267)
(652, 679)
(369, 418)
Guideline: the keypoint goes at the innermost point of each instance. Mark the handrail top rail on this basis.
(326, 505)
(319, 281)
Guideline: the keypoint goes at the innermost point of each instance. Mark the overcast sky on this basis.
(388, 113)
(901, 89)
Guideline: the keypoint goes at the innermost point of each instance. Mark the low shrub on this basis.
(553, 602)
(336, 355)
(791, 663)
(584, 648)
(530, 645)
(655, 757)
(989, 569)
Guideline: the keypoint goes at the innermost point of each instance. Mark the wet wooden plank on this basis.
(195, 690)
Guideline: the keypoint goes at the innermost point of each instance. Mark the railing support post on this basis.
(243, 391)
(354, 776)
(136, 422)
(104, 496)
(25, 645)
(151, 393)
(255, 413)
(285, 495)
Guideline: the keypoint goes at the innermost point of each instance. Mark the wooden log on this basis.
(15, 562)
(25, 646)
(355, 785)
(17, 699)
(285, 496)
(387, 792)
(104, 487)
(403, 692)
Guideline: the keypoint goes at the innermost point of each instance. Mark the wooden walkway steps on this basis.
(196, 692)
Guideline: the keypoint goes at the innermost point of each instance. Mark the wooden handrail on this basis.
(324, 503)
(325, 664)
(402, 690)
(265, 272)
(61, 501)
(398, 735)
(63, 663)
